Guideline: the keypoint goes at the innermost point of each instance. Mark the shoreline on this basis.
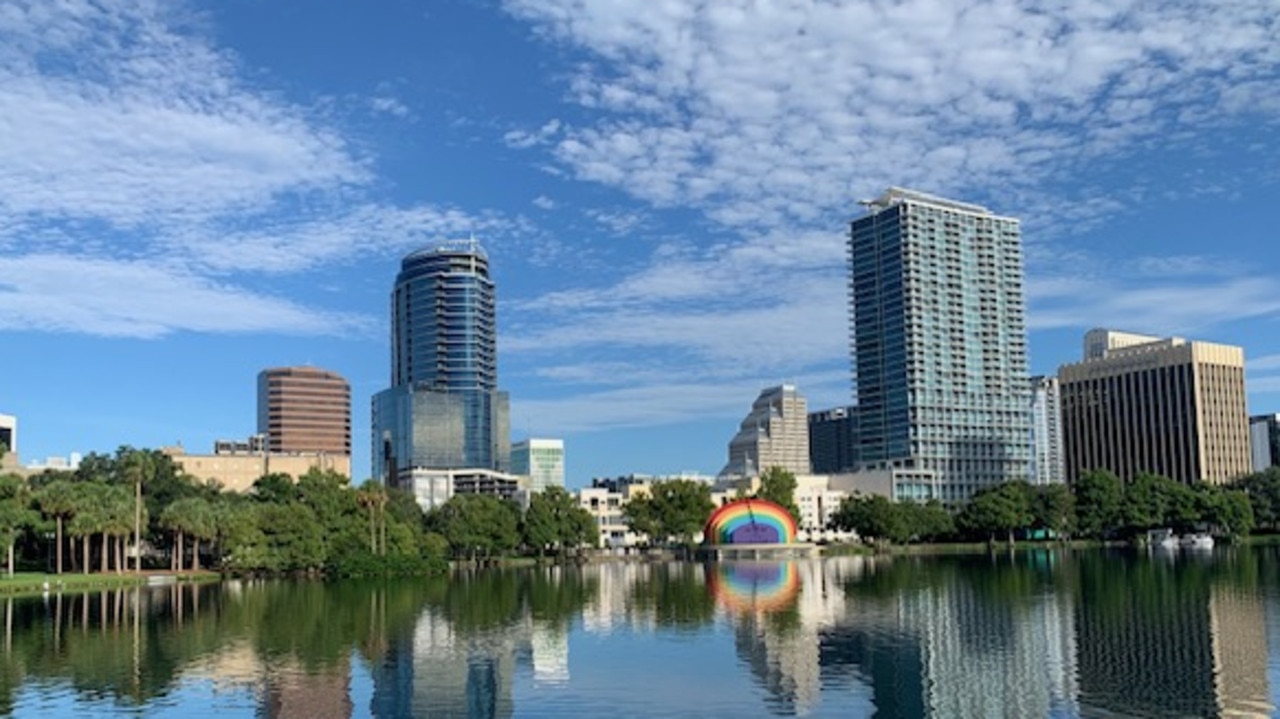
(38, 583)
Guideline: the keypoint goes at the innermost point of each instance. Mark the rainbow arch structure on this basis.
(750, 521)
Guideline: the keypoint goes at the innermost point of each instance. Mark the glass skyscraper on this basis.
(443, 409)
(939, 342)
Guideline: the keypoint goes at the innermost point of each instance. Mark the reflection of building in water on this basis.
(1239, 625)
(439, 671)
(550, 654)
(956, 648)
(1167, 642)
(781, 645)
(460, 676)
(297, 692)
(985, 655)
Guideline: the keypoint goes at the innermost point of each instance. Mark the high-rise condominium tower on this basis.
(443, 410)
(774, 434)
(939, 342)
(1139, 403)
(304, 410)
(1046, 431)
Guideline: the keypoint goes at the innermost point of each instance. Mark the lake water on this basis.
(1036, 633)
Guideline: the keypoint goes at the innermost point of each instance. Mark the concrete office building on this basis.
(443, 410)
(1046, 431)
(1264, 441)
(833, 440)
(1166, 406)
(541, 460)
(235, 466)
(939, 342)
(304, 409)
(775, 433)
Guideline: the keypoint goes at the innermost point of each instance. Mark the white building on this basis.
(775, 433)
(433, 487)
(542, 460)
(1046, 431)
(605, 506)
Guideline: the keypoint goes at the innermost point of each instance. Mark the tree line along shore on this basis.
(82, 521)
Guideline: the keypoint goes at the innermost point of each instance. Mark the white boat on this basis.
(1163, 539)
(1199, 540)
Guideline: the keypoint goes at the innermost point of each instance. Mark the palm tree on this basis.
(373, 497)
(58, 499)
(15, 512)
(138, 467)
(201, 526)
(117, 521)
(189, 516)
(87, 519)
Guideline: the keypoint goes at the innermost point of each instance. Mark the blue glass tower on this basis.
(443, 409)
(939, 342)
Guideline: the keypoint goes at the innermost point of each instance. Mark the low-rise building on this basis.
(433, 487)
(236, 471)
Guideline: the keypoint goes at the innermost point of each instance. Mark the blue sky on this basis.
(191, 192)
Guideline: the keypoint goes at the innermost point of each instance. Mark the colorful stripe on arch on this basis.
(750, 521)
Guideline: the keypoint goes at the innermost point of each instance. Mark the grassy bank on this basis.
(837, 550)
(38, 583)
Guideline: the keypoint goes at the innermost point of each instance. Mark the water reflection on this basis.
(1045, 633)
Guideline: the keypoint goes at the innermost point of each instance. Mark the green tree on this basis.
(59, 500)
(115, 521)
(284, 538)
(555, 521)
(1053, 508)
(930, 520)
(1099, 499)
(1000, 509)
(676, 508)
(1152, 501)
(1229, 510)
(16, 515)
(478, 524)
(372, 496)
(137, 467)
(1263, 490)
(87, 519)
(192, 517)
(778, 485)
(873, 516)
(276, 487)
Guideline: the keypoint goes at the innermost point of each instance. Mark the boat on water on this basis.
(1163, 539)
(1199, 540)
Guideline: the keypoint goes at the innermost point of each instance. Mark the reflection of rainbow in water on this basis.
(754, 586)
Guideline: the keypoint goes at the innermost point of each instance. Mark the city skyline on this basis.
(201, 190)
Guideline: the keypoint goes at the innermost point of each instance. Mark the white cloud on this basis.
(127, 133)
(299, 243)
(780, 112)
(521, 139)
(618, 222)
(542, 202)
(386, 104)
(1266, 362)
(646, 404)
(1268, 384)
(1160, 308)
(123, 298)
(110, 113)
